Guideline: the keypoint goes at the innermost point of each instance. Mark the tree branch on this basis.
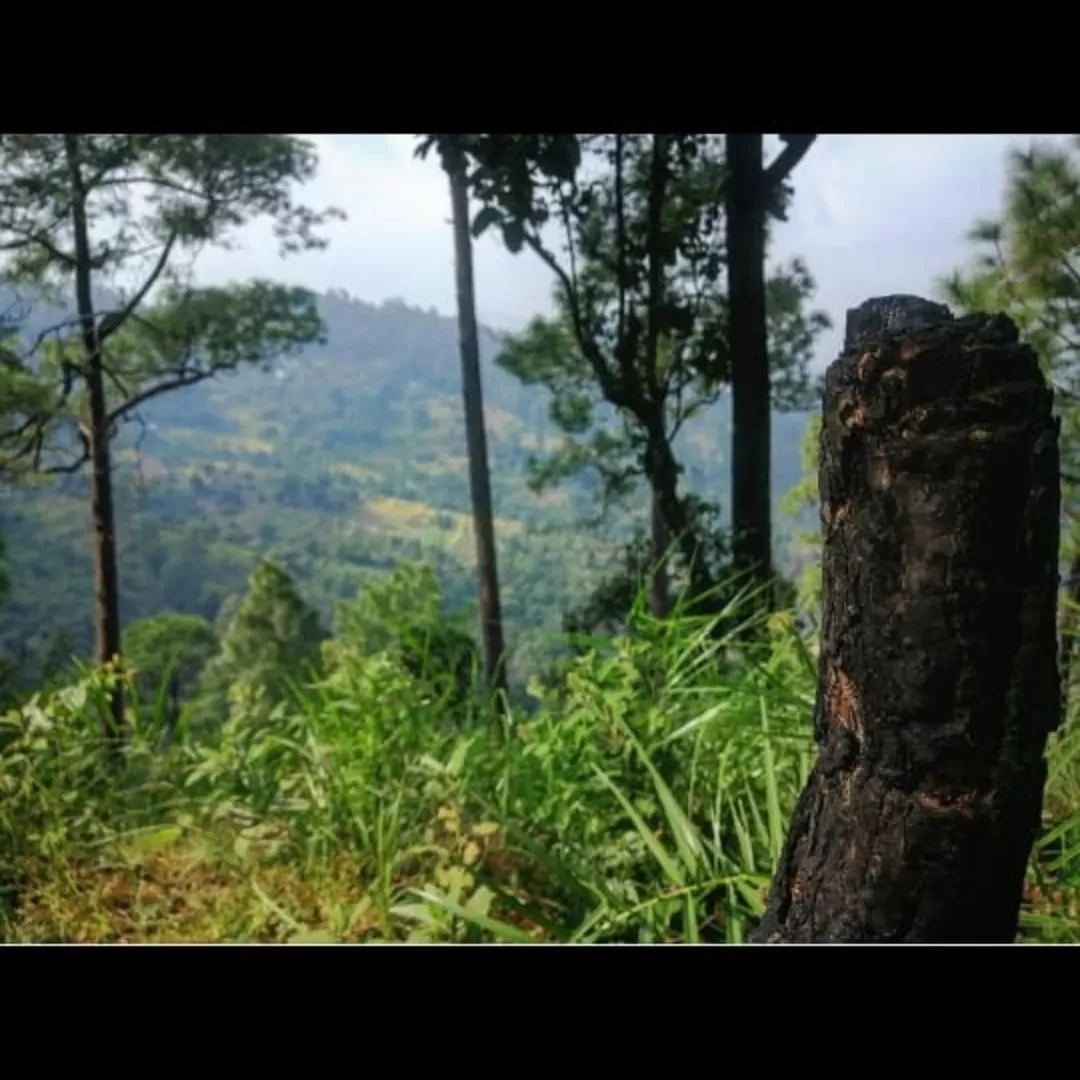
(588, 347)
(115, 379)
(34, 447)
(69, 467)
(71, 320)
(25, 236)
(794, 151)
(115, 320)
(184, 377)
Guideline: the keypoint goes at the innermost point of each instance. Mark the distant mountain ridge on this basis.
(340, 462)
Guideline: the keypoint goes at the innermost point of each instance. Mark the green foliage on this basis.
(792, 334)
(187, 336)
(59, 783)
(76, 209)
(610, 608)
(8, 667)
(184, 191)
(402, 617)
(8, 328)
(5, 578)
(803, 501)
(1029, 267)
(639, 343)
(168, 648)
(643, 799)
(344, 461)
(651, 348)
(510, 175)
(80, 209)
(272, 640)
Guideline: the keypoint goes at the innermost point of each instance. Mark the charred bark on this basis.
(938, 682)
(479, 477)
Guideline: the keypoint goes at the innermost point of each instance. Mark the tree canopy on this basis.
(132, 212)
(1028, 266)
(272, 638)
(639, 343)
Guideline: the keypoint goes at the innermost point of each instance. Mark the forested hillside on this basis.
(338, 464)
(254, 681)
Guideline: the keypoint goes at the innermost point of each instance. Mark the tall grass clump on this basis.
(1051, 910)
(642, 796)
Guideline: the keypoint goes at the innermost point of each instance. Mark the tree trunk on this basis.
(106, 578)
(658, 175)
(662, 472)
(660, 591)
(938, 680)
(751, 489)
(479, 478)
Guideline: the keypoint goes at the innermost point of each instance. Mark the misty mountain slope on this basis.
(339, 463)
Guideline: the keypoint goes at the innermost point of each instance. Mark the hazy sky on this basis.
(872, 214)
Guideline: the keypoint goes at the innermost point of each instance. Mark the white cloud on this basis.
(880, 214)
(872, 214)
(397, 239)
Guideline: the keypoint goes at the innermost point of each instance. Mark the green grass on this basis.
(644, 799)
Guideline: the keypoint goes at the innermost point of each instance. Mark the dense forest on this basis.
(263, 679)
(338, 464)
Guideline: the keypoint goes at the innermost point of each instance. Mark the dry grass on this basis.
(192, 891)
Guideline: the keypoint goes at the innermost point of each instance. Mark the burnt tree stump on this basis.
(938, 677)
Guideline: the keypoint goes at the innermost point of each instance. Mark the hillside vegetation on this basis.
(643, 800)
(296, 743)
(337, 464)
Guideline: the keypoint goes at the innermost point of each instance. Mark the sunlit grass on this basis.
(644, 799)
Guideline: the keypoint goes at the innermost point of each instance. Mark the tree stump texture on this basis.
(938, 679)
